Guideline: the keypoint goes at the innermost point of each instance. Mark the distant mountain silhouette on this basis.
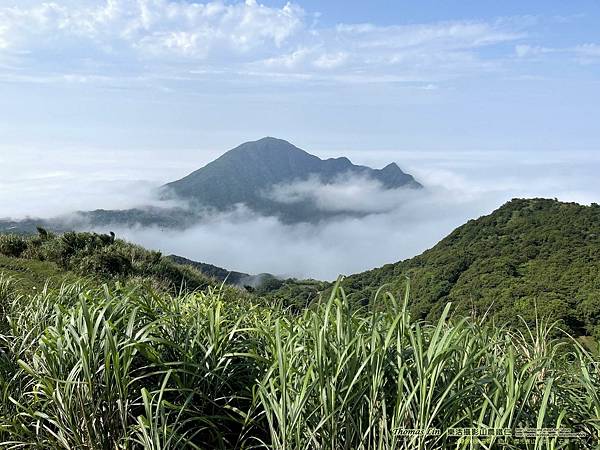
(265, 281)
(246, 173)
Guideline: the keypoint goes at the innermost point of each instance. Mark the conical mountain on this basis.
(244, 174)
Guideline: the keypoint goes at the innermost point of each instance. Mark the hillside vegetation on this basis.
(106, 345)
(128, 367)
(34, 259)
(528, 256)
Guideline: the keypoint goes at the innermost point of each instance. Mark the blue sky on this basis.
(335, 75)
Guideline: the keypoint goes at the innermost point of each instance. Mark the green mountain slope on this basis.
(35, 259)
(527, 253)
(246, 173)
(240, 279)
(230, 277)
(32, 275)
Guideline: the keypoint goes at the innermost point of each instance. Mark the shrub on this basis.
(101, 254)
(106, 261)
(12, 245)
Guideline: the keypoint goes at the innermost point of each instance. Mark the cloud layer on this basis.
(397, 225)
(129, 75)
(349, 193)
(459, 187)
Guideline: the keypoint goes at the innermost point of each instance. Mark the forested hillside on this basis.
(527, 254)
(530, 256)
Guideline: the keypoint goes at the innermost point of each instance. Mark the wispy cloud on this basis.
(585, 54)
(96, 35)
(417, 53)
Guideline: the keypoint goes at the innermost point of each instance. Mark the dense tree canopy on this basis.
(529, 256)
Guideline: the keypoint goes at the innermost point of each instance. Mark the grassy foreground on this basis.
(125, 366)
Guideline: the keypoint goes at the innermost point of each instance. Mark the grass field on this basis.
(125, 366)
(30, 275)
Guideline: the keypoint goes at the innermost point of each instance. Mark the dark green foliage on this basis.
(42, 232)
(527, 255)
(270, 283)
(292, 292)
(12, 245)
(106, 261)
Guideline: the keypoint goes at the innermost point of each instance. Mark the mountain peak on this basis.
(250, 171)
(391, 167)
(268, 141)
(271, 139)
(392, 176)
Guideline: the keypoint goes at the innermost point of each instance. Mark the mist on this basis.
(390, 225)
(245, 241)
(346, 193)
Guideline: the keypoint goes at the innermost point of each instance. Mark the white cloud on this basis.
(411, 52)
(458, 34)
(244, 241)
(99, 39)
(588, 53)
(293, 60)
(3, 37)
(459, 186)
(346, 193)
(241, 38)
(583, 53)
(151, 26)
(331, 60)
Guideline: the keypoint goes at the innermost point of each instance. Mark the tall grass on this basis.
(127, 367)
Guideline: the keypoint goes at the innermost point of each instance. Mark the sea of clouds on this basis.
(393, 224)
